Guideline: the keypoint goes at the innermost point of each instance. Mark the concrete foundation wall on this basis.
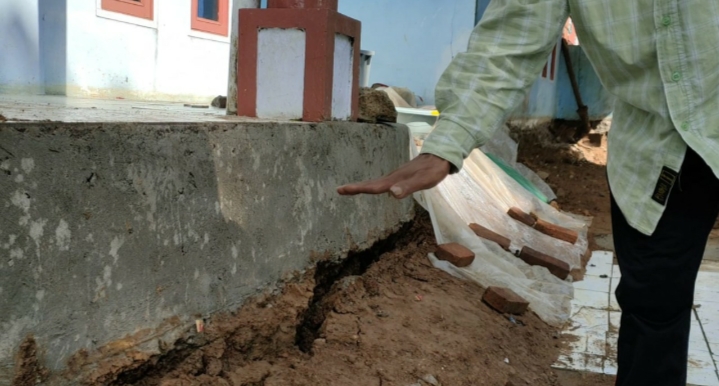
(115, 238)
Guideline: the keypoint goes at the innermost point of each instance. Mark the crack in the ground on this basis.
(328, 273)
(166, 362)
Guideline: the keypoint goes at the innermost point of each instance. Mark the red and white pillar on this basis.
(298, 59)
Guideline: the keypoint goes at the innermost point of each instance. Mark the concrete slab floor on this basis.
(66, 109)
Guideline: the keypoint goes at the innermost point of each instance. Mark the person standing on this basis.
(657, 58)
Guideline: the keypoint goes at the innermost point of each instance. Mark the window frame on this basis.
(143, 9)
(221, 27)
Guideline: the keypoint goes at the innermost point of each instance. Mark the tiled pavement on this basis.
(592, 331)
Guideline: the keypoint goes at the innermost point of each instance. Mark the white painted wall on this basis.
(280, 73)
(342, 77)
(20, 70)
(164, 60)
(93, 53)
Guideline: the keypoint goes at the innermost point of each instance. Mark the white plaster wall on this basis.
(88, 52)
(20, 70)
(280, 73)
(132, 58)
(342, 78)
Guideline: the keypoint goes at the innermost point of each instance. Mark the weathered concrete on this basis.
(118, 236)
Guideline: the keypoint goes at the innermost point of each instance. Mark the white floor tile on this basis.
(708, 315)
(612, 340)
(591, 299)
(573, 361)
(602, 258)
(707, 294)
(610, 366)
(596, 321)
(594, 363)
(700, 359)
(716, 361)
(588, 342)
(588, 320)
(600, 264)
(702, 377)
(593, 283)
(696, 335)
(597, 344)
(580, 362)
(576, 343)
(712, 335)
(708, 280)
(613, 303)
(615, 318)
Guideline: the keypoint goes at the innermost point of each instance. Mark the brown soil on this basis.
(28, 371)
(577, 174)
(376, 106)
(378, 318)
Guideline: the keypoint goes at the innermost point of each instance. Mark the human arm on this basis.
(479, 90)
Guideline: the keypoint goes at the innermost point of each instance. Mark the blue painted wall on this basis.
(555, 99)
(20, 68)
(599, 101)
(414, 41)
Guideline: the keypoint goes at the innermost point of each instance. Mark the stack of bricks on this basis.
(542, 226)
(531, 256)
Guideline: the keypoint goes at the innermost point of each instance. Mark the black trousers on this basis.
(656, 291)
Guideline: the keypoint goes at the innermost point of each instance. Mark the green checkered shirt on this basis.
(658, 57)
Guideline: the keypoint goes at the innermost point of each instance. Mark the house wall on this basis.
(599, 101)
(554, 99)
(74, 48)
(20, 71)
(164, 60)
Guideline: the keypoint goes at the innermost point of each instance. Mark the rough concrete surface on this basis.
(115, 238)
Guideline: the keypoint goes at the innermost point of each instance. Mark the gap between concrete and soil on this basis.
(326, 275)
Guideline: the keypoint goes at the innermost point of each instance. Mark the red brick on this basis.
(490, 235)
(557, 267)
(521, 216)
(556, 231)
(505, 300)
(456, 254)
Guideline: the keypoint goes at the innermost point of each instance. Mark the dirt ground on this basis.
(577, 174)
(387, 317)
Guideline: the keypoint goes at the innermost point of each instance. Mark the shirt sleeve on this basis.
(482, 87)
